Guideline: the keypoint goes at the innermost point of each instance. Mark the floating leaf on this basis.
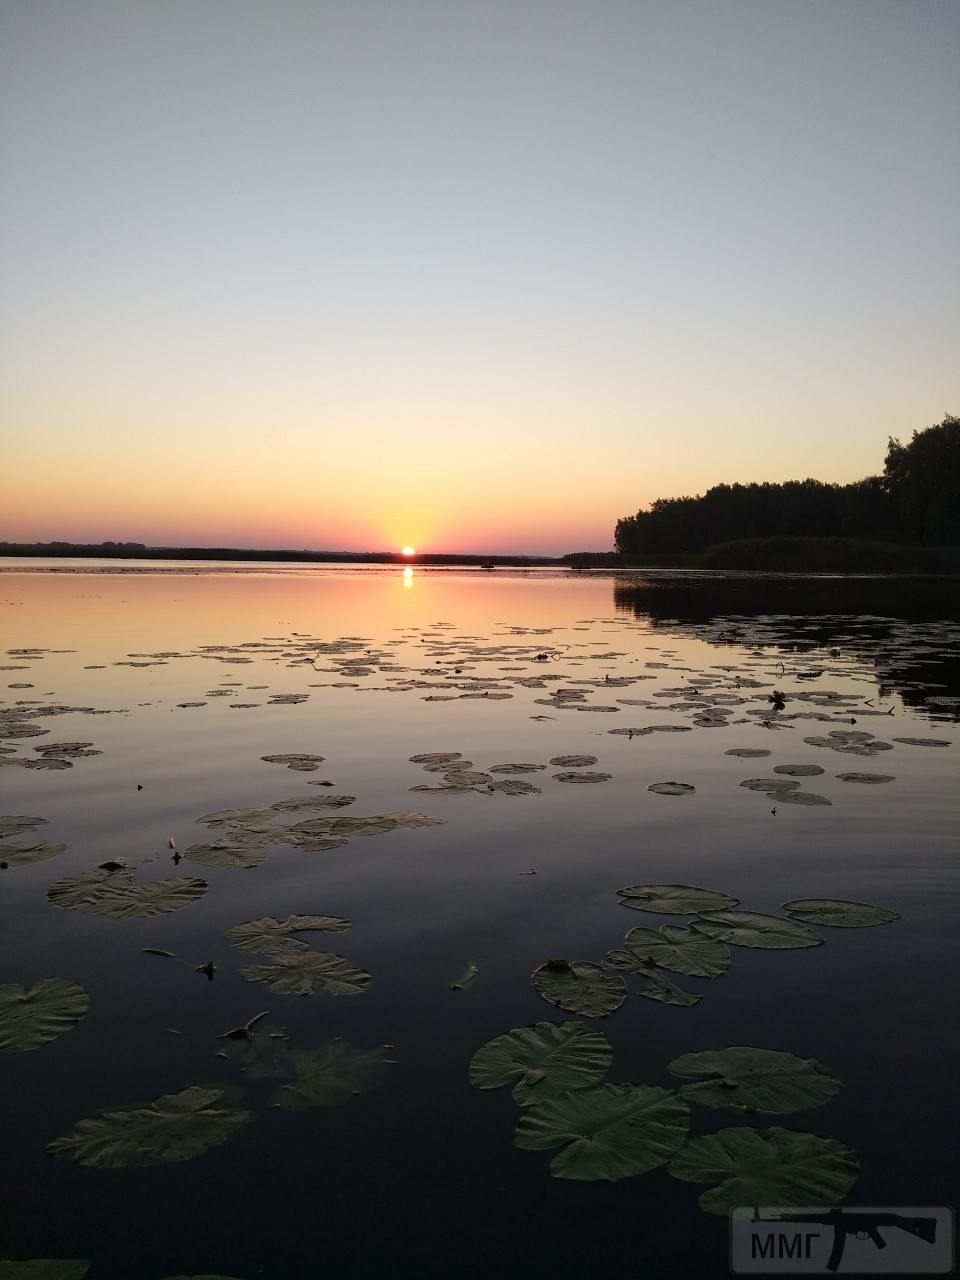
(666, 992)
(837, 912)
(513, 787)
(309, 973)
(679, 950)
(583, 777)
(754, 929)
(21, 853)
(516, 768)
(755, 1079)
(304, 763)
(31, 1017)
(268, 934)
(14, 824)
(580, 987)
(607, 1132)
(673, 899)
(468, 975)
(800, 797)
(542, 1061)
(466, 777)
(235, 855)
(672, 788)
(174, 1128)
(573, 762)
(777, 785)
(330, 1075)
(115, 893)
(44, 1269)
(924, 742)
(766, 1166)
(866, 777)
(436, 757)
(747, 753)
(798, 770)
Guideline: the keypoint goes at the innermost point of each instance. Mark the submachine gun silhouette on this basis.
(863, 1225)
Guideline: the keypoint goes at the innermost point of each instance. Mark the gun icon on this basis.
(865, 1226)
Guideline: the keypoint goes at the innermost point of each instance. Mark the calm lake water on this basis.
(172, 674)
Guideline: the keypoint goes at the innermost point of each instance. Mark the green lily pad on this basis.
(466, 777)
(583, 777)
(542, 1061)
(513, 768)
(773, 785)
(330, 1075)
(573, 762)
(798, 770)
(755, 1079)
(924, 742)
(747, 753)
(513, 787)
(664, 991)
(766, 1166)
(174, 1128)
(581, 987)
(436, 757)
(672, 788)
(673, 899)
(311, 803)
(232, 854)
(44, 1269)
(309, 973)
(14, 824)
(838, 913)
(115, 893)
(607, 1132)
(754, 929)
(866, 777)
(31, 1017)
(22, 853)
(800, 797)
(679, 950)
(300, 761)
(268, 934)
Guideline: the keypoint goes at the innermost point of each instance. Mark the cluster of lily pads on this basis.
(459, 775)
(606, 1132)
(698, 949)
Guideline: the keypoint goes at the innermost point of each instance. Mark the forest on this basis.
(914, 501)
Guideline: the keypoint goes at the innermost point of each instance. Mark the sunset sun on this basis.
(408, 551)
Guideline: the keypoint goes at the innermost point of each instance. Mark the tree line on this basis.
(916, 500)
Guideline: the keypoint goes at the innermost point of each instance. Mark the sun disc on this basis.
(408, 551)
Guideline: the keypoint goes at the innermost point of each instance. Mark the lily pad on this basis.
(436, 757)
(607, 1132)
(581, 987)
(309, 973)
(924, 742)
(679, 950)
(512, 768)
(573, 762)
(303, 763)
(330, 1075)
(174, 1128)
(31, 1017)
(800, 797)
(238, 854)
(755, 1079)
(542, 1061)
(867, 778)
(268, 934)
(115, 893)
(44, 1269)
(14, 824)
(754, 929)
(22, 853)
(672, 788)
(772, 785)
(747, 753)
(839, 913)
(583, 777)
(674, 899)
(513, 787)
(798, 770)
(766, 1166)
(664, 991)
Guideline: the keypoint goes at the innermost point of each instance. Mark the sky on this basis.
(466, 275)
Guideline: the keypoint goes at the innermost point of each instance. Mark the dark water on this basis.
(420, 1177)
